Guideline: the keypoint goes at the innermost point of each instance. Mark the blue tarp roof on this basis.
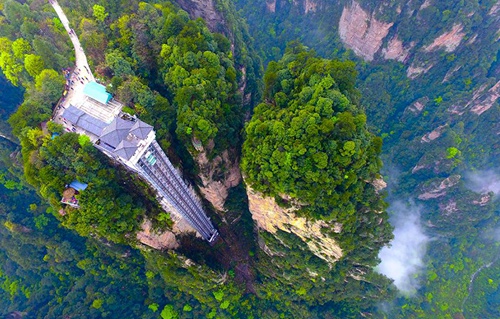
(97, 92)
(79, 186)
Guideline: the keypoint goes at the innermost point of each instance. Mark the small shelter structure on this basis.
(78, 186)
(97, 92)
(69, 193)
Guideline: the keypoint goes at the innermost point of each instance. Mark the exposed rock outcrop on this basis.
(432, 163)
(417, 168)
(164, 240)
(495, 9)
(310, 6)
(484, 102)
(434, 134)
(426, 4)
(270, 217)
(481, 101)
(438, 189)
(449, 40)
(218, 176)
(472, 39)
(414, 71)
(450, 73)
(271, 5)
(395, 50)
(205, 9)
(485, 199)
(379, 184)
(417, 106)
(361, 32)
(448, 208)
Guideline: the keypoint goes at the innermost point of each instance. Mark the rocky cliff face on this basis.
(271, 6)
(439, 189)
(206, 10)
(431, 136)
(449, 40)
(151, 238)
(395, 50)
(361, 32)
(166, 239)
(482, 100)
(217, 176)
(270, 217)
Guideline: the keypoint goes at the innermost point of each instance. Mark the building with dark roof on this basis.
(126, 139)
(126, 149)
(141, 129)
(116, 132)
(132, 142)
(83, 120)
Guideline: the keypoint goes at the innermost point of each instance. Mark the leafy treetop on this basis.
(309, 139)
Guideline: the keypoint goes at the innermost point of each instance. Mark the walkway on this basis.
(81, 60)
(80, 76)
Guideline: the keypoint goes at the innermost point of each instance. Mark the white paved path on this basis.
(80, 57)
(80, 76)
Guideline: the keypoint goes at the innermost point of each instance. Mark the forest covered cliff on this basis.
(428, 74)
(304, 220)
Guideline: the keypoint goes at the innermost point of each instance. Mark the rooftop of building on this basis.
(97, 92)
(77, 185)
(122, 136)
(85, 121)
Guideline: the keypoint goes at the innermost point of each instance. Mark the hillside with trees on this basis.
(404, 91)
(428, 74)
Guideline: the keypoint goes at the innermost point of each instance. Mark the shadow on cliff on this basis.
(236, 246)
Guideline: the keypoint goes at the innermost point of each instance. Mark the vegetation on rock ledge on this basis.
(309, 138)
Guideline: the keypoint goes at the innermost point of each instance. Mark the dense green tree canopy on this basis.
(190, 84)
(99, 12)
(203, 79)
(308, 139)
(33, 64)
(49, 84)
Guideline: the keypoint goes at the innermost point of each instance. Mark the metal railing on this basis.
(163, 176)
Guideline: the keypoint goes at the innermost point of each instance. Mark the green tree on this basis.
(313, 145)
(169, 312)
(10, 65)
(99, 12)
(97, 303)
(153, 307)
(33, 64)
(49, 84)
(20, 47)
(452, 152)
(118, 64)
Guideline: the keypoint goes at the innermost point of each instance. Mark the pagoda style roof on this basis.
(123, 136)
(116, 132)
(126, 149)
(141, 129)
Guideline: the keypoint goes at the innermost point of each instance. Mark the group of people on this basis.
(80, 76)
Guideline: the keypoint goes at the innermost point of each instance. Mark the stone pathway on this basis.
(81, 74)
